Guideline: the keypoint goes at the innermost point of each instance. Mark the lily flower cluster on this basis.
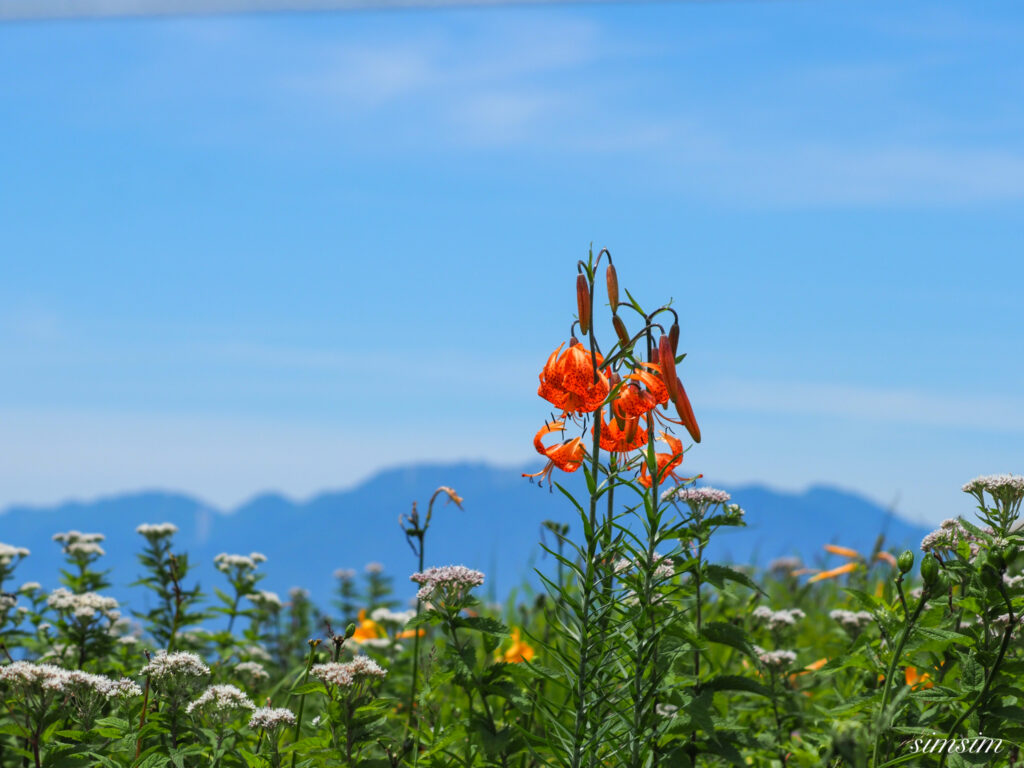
(624, 392)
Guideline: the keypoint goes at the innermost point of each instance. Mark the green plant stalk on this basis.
(983, 693)
(411, 723)
(302, 699)
(893, 662)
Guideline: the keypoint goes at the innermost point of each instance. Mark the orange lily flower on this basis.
(519, 651)
(667, 462)
(565, 456)
(632, 402)
(917, 680)
(567, 381)
(659, 392)
(835, 549)
(368, 629)
(616, 438)
(833, 573)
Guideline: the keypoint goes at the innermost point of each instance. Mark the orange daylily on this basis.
(917, 680)
(667, 462)
(887, 557)
(835, 549)
(566, 456)
(519, 651)
(833, 573)
(567, 381)
(408, 634)
(368, 629)
(814, 666)
(616, 438)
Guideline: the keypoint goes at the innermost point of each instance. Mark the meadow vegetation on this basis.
(637, 651)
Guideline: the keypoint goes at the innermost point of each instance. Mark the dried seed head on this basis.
(583, 302)
(613, 287)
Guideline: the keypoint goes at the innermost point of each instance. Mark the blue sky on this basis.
(280, 252)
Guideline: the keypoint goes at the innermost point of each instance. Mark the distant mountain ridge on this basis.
(498, 532)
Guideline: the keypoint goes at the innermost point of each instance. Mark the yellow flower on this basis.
(519, 651)
(368, 629)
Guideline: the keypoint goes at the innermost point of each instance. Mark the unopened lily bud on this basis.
(613, 287)
(667, 361)
(685, 411)
(620, 329)
(583, 302)
(350, 630)
(929, 569)
(673, 338)
(905, 561)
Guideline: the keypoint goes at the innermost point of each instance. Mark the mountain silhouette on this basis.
(498, 531)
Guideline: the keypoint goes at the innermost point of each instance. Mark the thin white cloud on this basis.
(50, 455)
(894, 406)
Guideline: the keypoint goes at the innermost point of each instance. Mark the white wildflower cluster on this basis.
(266, 599)
(450, 583)
(787, 617)
(48, 677)
(344, 574)
(785, 565)
(244, 564)
(344, 675)
(156, 531)
(8, 554)
(298, 594)
(256, 652)
(778, 660)
(852, 620)
(734, 510)
(665, 710)
(85, 606)
(171, 666)
(1001, 621)
(7, 601)
(374, 568)
(29, 587)
(270, 718)
(947, 536)
(999, 486)
(387, 616)
(220, 700)
(252, 669)
(664, 567)
(698, 497)
(81, 545)
(1013, 582)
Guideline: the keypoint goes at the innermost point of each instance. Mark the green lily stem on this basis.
(893, 662)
